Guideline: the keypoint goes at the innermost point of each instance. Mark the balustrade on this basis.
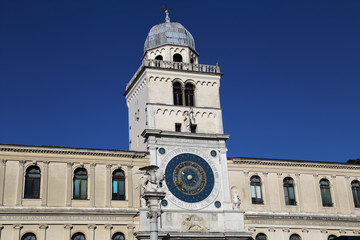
(182, 66)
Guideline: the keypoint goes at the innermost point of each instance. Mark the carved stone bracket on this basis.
(108, 226)
(43, 226)
(68, 226)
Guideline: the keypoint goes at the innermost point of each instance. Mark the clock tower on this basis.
(175, 115)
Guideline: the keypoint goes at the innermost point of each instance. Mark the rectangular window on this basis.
(177, 127)
(193, 128)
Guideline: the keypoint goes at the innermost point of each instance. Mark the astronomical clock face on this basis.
(189, 178)
(191, 181)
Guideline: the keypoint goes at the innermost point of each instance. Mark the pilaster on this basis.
(91, 231)
(67, 231)
(45, 183)
(17, 231)
(108, 228)
(225, 180)
(92, 184)
(43, 228)
(2, 180)
(334, 194)
(19, 194)
(130, 228)
(108, 186)
(349, 195)
(323, 234)
(68, 183)
(286, 233)
(316, 190)
(300, 195)
(281, 192)
(130, 185)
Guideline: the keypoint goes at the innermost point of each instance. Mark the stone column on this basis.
(318, 200)
(67, 231)
(42, 235)
(108, 228)
(300, 194)
(92, 184)
(45, 183)
(323, 234)
(108, 195)
(17, 231)
(130, 186)
(19, 194)
(91, 231)
(130, 228)
(2, 180)
(68, 183)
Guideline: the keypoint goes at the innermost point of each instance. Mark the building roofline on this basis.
(292, 162)
(71, 150)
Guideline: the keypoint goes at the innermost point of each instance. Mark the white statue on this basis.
(236, 200)
(152, 175)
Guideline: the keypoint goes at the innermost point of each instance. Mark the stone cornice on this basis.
(71, 151)
(293, 163)
(159, 133)
(308, 217)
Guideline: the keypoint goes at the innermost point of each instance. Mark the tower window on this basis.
(189, 95)
(159, 57)
(178, 95)
(193, 128)
(177, 127)
(177, 58)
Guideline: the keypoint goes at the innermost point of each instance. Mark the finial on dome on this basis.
(167, 19)
(166, 10)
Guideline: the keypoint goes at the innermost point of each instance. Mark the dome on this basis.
(169, 33)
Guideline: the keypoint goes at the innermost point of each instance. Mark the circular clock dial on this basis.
(189, 177)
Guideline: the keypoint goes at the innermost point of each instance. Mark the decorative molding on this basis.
(272, 230)
(286, 230)
(68, 226)
(108, 226)
(17, 226)
(293, 163)
(43, 226)
(72, 151)
(92, 226)
(324, 231)
(3, 162)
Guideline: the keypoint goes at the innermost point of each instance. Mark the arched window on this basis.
(32, 182)
(189, 95)
(78, 236)
(159, 57)
(178, 96)
(118, 236)
(177, 58)
(261, 236)
(289, 191)
(332, 237)
(256, 194)
(28, 236)
(295, 237)
(355, 187)
(118, 185)
(80, 184)
(325, 193)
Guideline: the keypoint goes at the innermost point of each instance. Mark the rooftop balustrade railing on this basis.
(182, 66)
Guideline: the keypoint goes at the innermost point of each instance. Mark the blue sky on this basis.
(291, 72)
